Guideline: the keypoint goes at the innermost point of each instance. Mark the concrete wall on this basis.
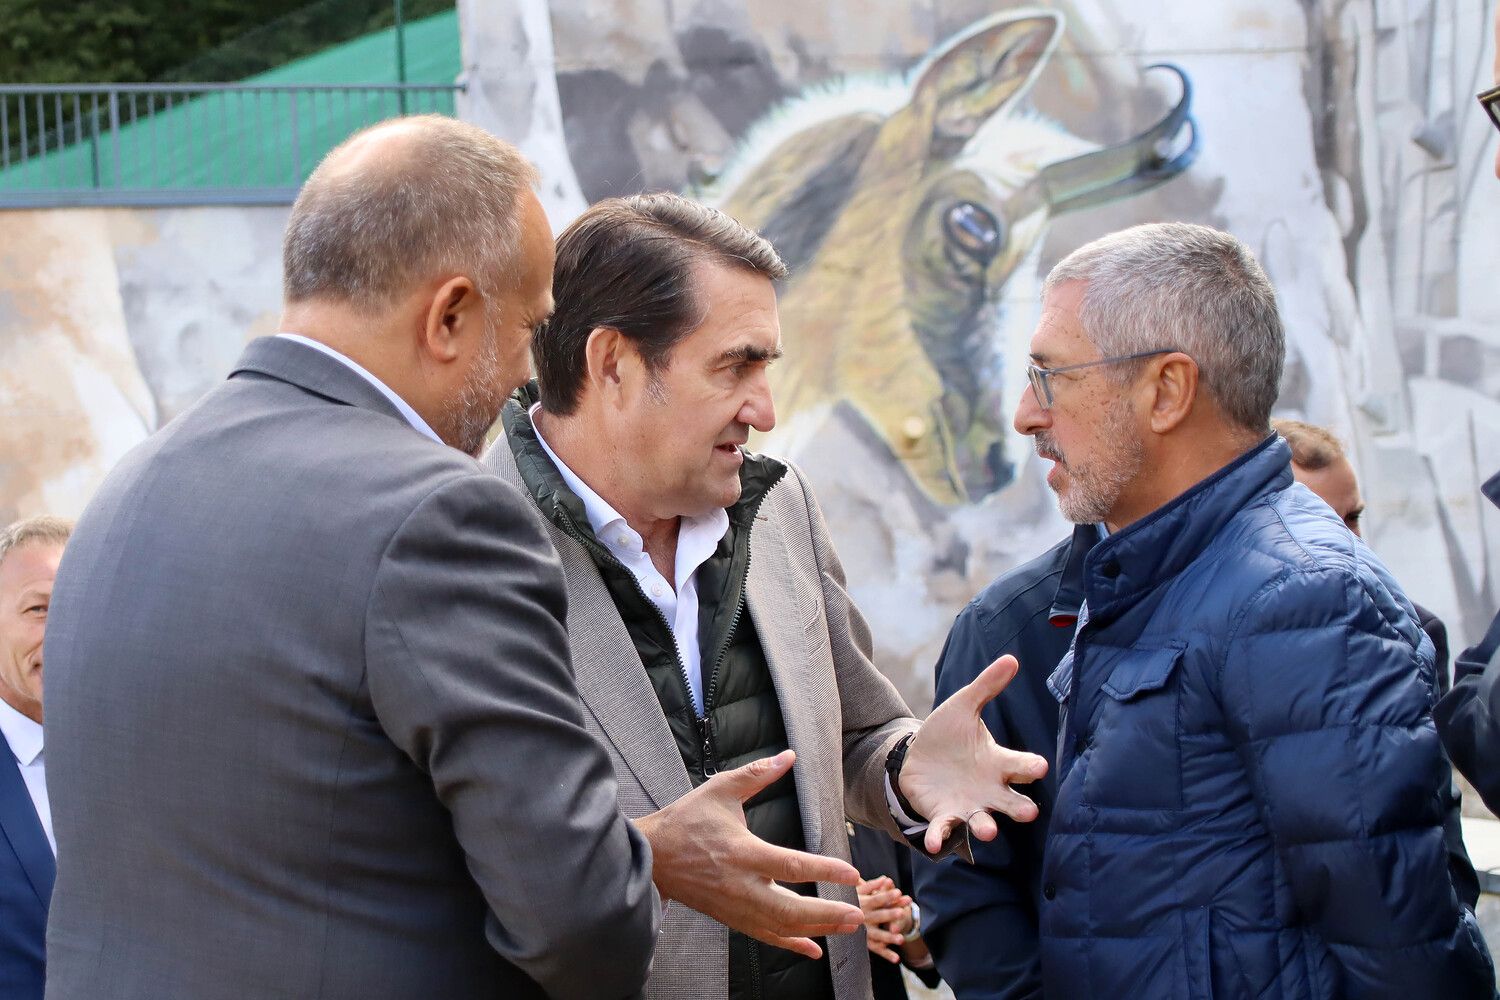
(1339, 139)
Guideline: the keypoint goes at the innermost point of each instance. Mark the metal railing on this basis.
(184, 144)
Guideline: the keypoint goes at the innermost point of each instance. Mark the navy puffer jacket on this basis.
(1249, 775)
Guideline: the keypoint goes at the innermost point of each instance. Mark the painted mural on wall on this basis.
(920, 164)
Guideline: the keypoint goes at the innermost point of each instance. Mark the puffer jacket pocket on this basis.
(1141, 672)
(1197, 953)
(1135, 756)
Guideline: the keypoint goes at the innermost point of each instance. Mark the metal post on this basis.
(114, 132)
(296, 144)
(400, 57)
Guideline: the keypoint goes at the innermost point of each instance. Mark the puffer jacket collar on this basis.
(758, 473)
(1161, 545)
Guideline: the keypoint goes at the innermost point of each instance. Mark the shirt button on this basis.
(656, 589)
(1049, 891)
(622, 540)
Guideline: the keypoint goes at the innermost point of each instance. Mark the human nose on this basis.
(759, 410)
(1030, 417)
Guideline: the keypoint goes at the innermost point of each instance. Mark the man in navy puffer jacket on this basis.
(1249, 779)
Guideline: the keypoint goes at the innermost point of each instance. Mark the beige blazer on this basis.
(841, 714)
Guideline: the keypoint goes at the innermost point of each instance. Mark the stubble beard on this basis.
(1094, 488)
(479, 400)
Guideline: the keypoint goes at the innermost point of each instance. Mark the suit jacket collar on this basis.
(21, 826)
(300, 365)
(605, 661)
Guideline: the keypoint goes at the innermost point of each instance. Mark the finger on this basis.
(1013, 804)
(990, 682)
(785, 865)
(787, 913)
(886, 916)
(882, 936)
(1017, 767)
(806, 947)
(890, 897)
(938, 831)
(747, 780)
(883, 952)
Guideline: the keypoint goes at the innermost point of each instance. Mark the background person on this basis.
(980, 920)
(29, 553)
(893, 920)
(1468, 718)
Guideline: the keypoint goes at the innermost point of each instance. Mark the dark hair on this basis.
(627, 264)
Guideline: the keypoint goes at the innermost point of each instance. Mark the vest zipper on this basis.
(704, 727)
(712, 679)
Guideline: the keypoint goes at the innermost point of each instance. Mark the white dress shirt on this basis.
(697, 538)
(25, 738)
(412, 417)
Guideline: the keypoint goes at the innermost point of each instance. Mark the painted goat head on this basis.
(902, 210)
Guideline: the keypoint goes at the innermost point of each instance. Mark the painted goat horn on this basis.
(1115, 172)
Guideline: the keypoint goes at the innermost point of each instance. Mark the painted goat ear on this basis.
(975, 75)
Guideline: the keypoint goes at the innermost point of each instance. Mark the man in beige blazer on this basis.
(707, 616)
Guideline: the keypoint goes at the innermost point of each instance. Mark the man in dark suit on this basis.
(313, 732)
(29, 553)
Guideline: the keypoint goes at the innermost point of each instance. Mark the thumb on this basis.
(990, 682)
(748, 779)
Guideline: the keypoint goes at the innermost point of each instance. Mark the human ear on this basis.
(455, 312)
(602, 356)
(1173, 383)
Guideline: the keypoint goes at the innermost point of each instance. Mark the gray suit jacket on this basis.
(841, 714)
(311, 727)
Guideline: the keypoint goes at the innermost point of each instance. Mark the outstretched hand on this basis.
(955, 772)
(704, 857)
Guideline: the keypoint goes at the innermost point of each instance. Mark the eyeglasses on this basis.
(1043, 388)
(1490, 101)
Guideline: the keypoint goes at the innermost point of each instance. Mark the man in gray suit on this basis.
(707, 612)
(312, 730)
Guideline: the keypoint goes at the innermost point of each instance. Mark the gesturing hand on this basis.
(956, 772)
(886, 910)
(704, 857)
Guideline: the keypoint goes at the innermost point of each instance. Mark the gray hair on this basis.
(445, 200)
(34, 530)
(1192, 288)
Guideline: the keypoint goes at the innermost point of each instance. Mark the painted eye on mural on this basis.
(974, 231)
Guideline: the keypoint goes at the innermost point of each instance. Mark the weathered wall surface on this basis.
(921, 163)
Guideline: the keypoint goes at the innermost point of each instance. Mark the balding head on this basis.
(403, 202)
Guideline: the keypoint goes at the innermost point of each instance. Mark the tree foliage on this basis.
(138, 41)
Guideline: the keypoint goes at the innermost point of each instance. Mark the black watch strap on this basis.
(893, 762)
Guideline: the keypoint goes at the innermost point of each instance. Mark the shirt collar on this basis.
(412, 417)
(697, 536)
(22, 733)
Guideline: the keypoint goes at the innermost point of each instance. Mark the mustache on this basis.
(1047, 448)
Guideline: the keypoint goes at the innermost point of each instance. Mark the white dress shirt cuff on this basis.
(909, 824)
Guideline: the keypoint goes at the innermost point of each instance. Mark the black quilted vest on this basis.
(743, 717)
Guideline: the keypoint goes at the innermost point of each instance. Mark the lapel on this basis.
(612, 682)
(22, 827)
(781, 625)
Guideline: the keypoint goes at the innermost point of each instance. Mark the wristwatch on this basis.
(916, 922)
(893, 762)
